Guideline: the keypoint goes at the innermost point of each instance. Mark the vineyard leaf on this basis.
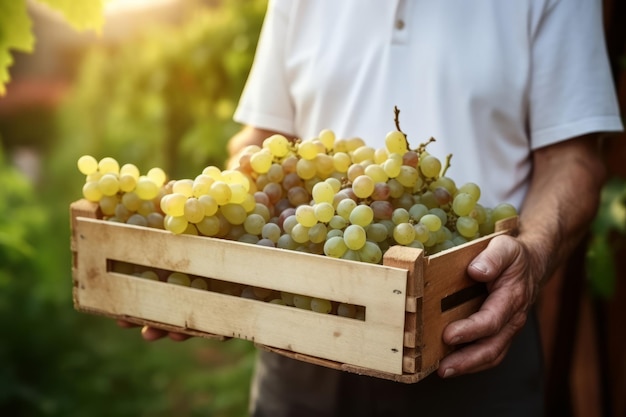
(15, 33)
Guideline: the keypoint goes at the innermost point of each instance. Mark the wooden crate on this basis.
(408, 300)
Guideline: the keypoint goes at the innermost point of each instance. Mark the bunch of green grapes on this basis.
(324, 195)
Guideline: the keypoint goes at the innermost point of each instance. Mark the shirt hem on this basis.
(559, 133)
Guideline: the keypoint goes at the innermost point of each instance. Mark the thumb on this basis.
(491, 262)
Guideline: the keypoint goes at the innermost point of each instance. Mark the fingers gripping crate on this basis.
(408, 300)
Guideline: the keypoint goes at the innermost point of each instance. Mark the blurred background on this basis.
(157, 87)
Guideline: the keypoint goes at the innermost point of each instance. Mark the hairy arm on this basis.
(560, 204)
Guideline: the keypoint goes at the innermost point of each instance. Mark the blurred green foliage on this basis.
(608, 234)
(162, 99)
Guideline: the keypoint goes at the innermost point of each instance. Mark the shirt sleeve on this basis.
(265, 101)
(571, 86)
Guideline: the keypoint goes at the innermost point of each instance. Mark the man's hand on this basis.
(561, 202)
(151, 334)
(505, 266)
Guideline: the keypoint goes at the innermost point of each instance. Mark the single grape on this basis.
(361, 215)
(87, 164)
(395, 142)
(320, 305)
(354, 236)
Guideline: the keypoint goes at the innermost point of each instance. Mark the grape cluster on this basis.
(337, 197)
(325, 195)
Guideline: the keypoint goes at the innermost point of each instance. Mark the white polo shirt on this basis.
(491, 80)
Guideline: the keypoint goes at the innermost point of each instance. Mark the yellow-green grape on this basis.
(422, 234)
(443, 216)
(376, 232)
(479, 213)
(335, 247)
(221, 192)
(232, 176)
(146, 207)
(155, 220)
(109, 184)
(127, 183)
(306, 215)
(235, 214)
(129, 169)
(108, 165)
(338, 222)
(417, 211)
(400, 215)
(93, 177)
(107, 204)
(376, 172)
(176, 225)
(238, 193)
(306, 169)
(214, 172)
(274, 174)
(341, 161)
(179, 278)
(431, 221)
(191, 230)
(335, 183)
(277, 301)
(209, 226)
(380, 155)
(392, 167)
(407, 176)
(193, 210)
(261, 210)
(249, 203)
(254, 224)
(271, 231)
(323, 192)
(278, 145)
(287, 298)
(463, 204)
(363, 186)
(361, 215)
(91, 191)
(149, 274)
(209, 204)
(395, 142)
(157, 176)
(327, 137)
(351, 255)
(201, 185)
(199, 283)
(174, 204)
(302, 301)
(346, 310)
(471, 189)
(184, 186)
(354, 236)
(261, 161)
(371, 253)
(87, 164)
(131, 201)
(300, 233)
(319, 305)
(363, 153)
(404, 233)
(317, 233)
(307, 150)
(430, 166)
(503, 211)
(146, 188)
(324, 212)
(137, 220)
(122, 213)
(345, 207)
(466, 226)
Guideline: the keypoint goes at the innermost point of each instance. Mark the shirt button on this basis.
(399, 24)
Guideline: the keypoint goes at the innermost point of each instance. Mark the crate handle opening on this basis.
(462, 296)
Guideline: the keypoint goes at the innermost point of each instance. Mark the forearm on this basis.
(561, 202)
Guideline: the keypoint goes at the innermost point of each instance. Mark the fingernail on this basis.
(480, 267)
(449, 372)
(455, 340)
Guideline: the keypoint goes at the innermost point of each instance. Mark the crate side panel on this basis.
(336, 338)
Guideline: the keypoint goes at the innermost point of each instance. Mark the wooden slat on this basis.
(445, 273)
(374, 343)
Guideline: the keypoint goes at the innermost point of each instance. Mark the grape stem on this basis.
(396, 119)
(446, 166)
